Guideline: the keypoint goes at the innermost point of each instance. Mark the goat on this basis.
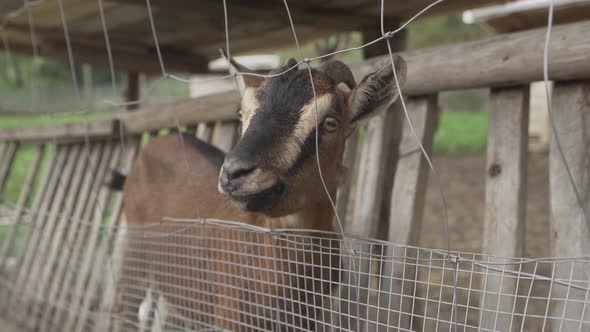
(269, 179)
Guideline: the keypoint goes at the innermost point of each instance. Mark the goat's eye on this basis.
(330, 124)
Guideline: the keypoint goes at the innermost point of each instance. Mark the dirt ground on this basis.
(463, 180)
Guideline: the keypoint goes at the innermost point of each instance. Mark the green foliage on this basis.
(443, 30)
(461, 132)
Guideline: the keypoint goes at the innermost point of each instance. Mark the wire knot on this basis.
(388, 34)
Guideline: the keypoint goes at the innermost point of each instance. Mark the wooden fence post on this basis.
(8, 155)
(376, 168)
(396, 285)
(505, 209)
(19, 212)
(570, 233)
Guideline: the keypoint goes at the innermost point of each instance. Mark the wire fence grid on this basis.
(218, 274)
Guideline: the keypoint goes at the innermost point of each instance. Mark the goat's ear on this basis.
(377, 91)
(249, 80)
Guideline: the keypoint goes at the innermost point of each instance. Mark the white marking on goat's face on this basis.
(248, 107)
(309, 120)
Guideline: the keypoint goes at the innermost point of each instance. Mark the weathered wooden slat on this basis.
(216, 107)
(406, 211)
(569, 230)
(343, 195)
(103, 259)
(86, 200)
(205, 131)
(61, 244)
(225, 135)
(60, 132)
(8, 156)
(18, 300)
(43, 258)
(505, 209)
(96, 216)
(30, 219)
(374, 156)
(21, 204)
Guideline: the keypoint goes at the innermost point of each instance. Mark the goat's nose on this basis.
(236, 168)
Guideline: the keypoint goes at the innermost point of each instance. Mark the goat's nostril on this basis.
(235, 170)
(240, 173)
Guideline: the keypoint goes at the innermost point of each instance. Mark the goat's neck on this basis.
(317, 216)
(314, 217)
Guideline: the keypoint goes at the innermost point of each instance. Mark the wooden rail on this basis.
(504, 60)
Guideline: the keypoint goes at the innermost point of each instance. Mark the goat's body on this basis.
(217, 276)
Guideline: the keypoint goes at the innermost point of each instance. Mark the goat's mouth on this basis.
(258, 201)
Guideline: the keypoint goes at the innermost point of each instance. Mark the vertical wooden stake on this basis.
(570, 234)
(407, 208)
(132, 92)
(374, 181)
(505, 210)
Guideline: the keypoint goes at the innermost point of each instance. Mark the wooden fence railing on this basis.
(65, 219)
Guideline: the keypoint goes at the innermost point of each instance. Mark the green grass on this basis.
(461, 132)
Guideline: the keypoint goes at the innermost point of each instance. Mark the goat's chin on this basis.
(263, 201)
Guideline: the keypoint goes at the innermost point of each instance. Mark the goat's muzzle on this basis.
(249, 186)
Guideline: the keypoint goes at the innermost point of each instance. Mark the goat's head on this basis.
(273, 168)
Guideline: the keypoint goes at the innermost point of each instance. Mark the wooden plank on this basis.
(100, 155)
(205, 131)
(502, 60)
(215, 107)
(505, 209)
(66, 228)
(407, 208)
(105, 250)
(18, 300)
(95, 214)
(6, 163)
(23, 200)
(128, 54)
(225, 135)
(51, 234)
(61, 132)
(570, 233)
(343, 196)
(31, 219)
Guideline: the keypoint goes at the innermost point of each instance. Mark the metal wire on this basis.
(225, 262)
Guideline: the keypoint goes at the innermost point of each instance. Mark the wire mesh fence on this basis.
(186, 274)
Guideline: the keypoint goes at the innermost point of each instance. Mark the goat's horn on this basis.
(249, 80)
(339, 72)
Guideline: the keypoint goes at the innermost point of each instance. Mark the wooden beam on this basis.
(61, 132)
(570, 233)
(308, 15)
(505, 209)
(503, 60)
(127, 55)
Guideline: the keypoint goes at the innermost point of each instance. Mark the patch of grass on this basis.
(24, 121)
(461, 132)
